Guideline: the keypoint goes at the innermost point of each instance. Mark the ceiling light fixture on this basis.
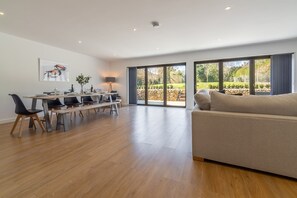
(134, 29)
(155, 24)
(79, 42)
(228, 8)
(1, 13)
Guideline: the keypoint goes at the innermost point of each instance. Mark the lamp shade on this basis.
(110, 79)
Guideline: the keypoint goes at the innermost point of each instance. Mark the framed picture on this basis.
(53, 71)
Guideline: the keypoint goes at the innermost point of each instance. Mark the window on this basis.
(162, 85)
(207, 76)
(236, 76)
(262, 77)
(140, 84)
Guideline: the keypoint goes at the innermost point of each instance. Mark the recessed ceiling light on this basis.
(228, 8)
(134, 29)
(79, 42)
(1, 13)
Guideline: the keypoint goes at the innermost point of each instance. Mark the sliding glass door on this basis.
(207, 76)
(176, 85)
(242, 76)
(163, 85)
(262, 77)
(236, 77)
(140, 85)
(155, 84)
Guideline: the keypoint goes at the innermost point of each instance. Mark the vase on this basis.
(81, 89)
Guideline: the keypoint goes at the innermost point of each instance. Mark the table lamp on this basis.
(110, 80)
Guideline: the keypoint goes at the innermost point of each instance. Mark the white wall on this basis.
(19, 71)
(119, 68)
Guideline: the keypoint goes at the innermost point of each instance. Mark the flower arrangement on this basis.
(82, 80)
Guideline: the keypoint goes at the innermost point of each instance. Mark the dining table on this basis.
(44, 98)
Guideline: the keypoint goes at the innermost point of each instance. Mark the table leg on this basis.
(33, 106)
(48, 125)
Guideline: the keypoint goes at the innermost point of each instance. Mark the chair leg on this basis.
(20, 129)
(51, 117)
(39, 122)
(58, 121)
(15, 123)
(34, 125)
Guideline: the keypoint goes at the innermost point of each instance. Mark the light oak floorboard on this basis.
(143, 152)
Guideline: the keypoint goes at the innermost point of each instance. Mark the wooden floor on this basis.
(144, 152)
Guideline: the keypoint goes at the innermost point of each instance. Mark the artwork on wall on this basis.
(53, 71)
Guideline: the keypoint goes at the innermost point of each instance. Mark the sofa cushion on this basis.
(202, 99)
(285, 104)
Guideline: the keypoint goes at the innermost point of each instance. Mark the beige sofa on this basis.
(256, 140)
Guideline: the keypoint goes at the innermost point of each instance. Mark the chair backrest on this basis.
(71, 101)
(87, 99)
(114, 96)
(52, 103)
(19, 105)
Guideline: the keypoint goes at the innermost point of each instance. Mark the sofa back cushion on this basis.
(285, 104)
(202, 99)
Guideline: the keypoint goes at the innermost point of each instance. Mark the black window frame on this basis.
(220, 62)
(164, 83)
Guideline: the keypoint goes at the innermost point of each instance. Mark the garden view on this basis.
(175, 84)
(236, 80)
(236, 77)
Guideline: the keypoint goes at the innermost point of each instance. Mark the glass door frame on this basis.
(221, 69)
(164, 66)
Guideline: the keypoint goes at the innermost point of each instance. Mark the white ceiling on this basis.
(105, 27)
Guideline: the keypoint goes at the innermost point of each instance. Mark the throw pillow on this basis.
(202, 99)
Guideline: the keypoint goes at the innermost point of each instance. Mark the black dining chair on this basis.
(114, 96)
(22, 113)
(87, 100)
(53, 104)
(71, 102)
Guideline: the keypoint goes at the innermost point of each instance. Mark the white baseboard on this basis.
(7, 120)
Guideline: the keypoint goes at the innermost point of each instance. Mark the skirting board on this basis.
(8, 120)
